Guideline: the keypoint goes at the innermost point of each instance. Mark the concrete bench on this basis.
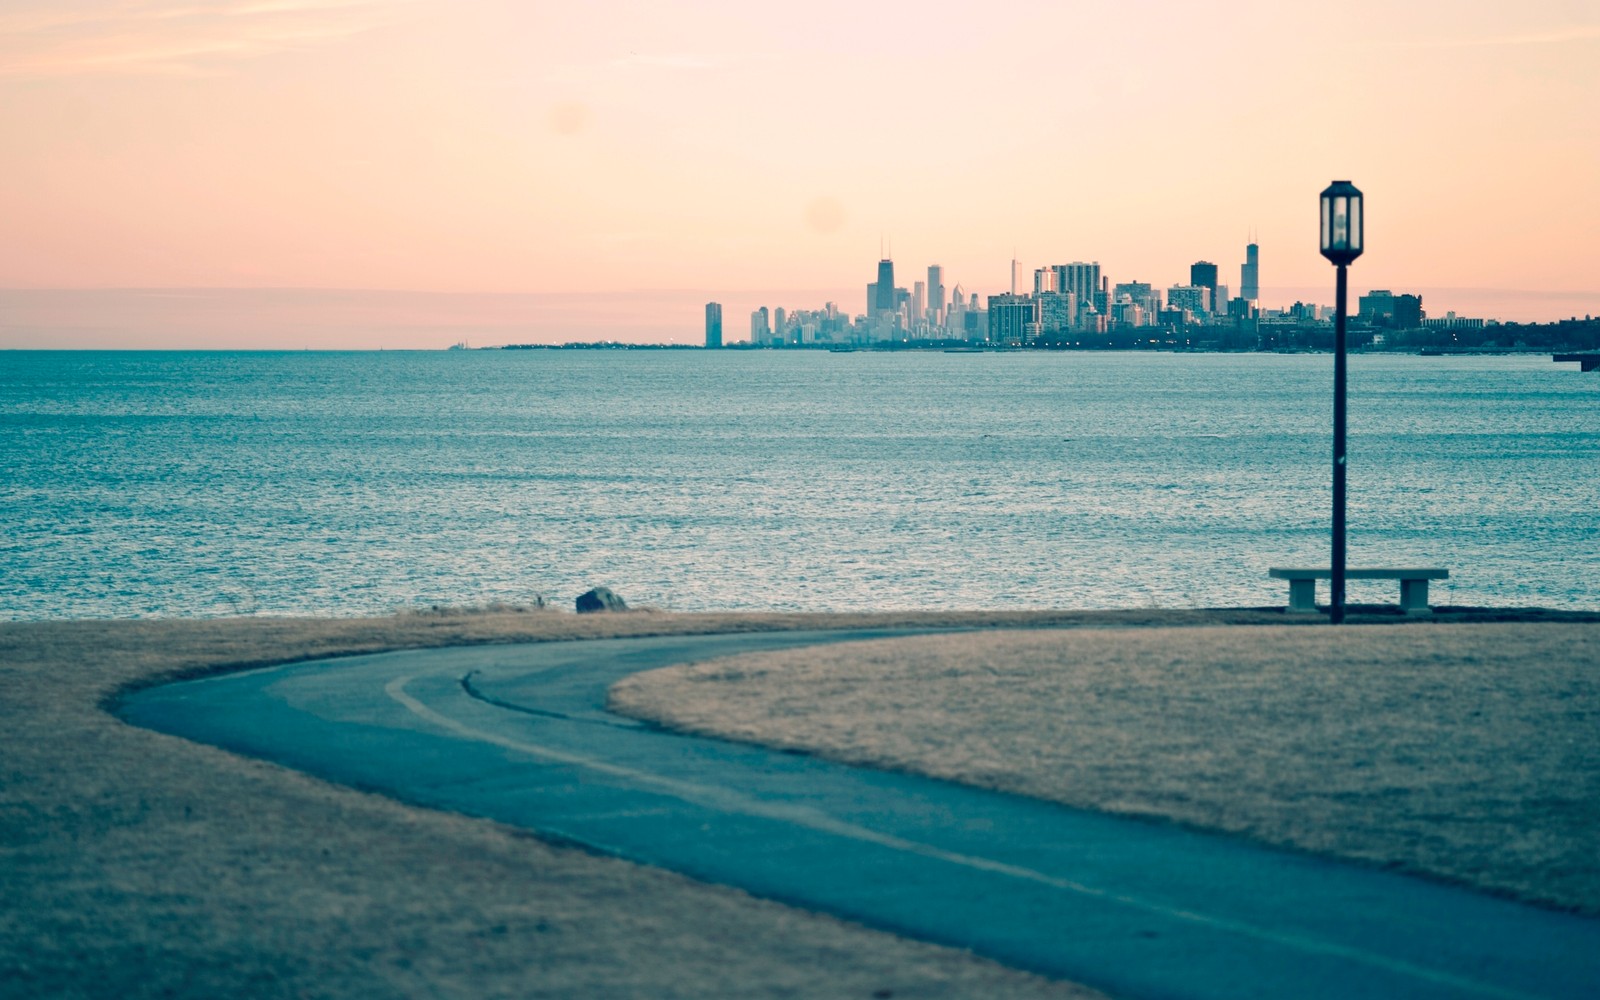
(1413, 585)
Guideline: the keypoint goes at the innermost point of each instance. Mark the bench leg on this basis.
(1302, 595)
(1414, 597)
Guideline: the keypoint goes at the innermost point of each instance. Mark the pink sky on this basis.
(746, 153)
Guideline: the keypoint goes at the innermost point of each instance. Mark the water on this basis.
(197, 484)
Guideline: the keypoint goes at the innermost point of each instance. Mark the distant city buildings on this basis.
(1203, 274)
(1076, 305)
(1381, 307)
(1013, 319)
(1082, 280)
(1058, 311)
(1250, 274)
(1450, 321)
(1139, 294)
(713, 325)
(1193, 299)
(883, 300)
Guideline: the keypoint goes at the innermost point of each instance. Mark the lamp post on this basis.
(1342, 238)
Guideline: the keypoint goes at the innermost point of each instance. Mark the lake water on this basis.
(199, 484)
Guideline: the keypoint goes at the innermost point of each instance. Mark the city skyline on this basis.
(1078, 305)
(495, 152)
(357, 319)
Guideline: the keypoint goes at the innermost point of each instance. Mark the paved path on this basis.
(520, 734)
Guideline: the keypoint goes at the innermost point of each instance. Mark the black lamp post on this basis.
(1342, 238)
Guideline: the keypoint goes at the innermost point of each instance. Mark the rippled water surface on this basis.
(339, 484)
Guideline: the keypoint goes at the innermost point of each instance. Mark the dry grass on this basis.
(1467, 752)
(137, 864)
(134, 864)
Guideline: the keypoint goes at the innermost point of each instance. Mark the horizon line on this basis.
(696, 290)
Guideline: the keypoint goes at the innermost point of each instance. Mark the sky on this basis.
(517, 160)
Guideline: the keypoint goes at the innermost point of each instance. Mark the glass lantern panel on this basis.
(1341, 223)
(1355, 224)
(1327, 222)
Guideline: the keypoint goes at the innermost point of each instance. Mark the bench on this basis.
(1413, 585)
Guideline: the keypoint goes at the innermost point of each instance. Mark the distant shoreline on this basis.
(913, 348)
(970, 348)
(295, 318)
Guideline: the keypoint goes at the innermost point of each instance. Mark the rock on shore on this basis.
(600, 599)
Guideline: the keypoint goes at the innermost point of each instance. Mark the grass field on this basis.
(136, 864)
(1464, 751)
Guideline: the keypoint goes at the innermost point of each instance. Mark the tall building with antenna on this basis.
(884, 293)
(1250, 273)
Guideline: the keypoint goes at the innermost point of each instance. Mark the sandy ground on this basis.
(1464, 751)
(134, 864)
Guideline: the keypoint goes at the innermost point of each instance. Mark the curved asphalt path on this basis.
(520, 734)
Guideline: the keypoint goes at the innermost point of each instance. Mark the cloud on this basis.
(166, 39)
(1557, 36)
(291, 6)
(682, 61)
(635, 66)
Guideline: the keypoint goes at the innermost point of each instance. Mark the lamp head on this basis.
(1342, 222)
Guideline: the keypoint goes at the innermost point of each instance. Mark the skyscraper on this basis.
(1082, 280)
(936, 293)
(1140, 293)
(1058, 311)
(713, 325)
(1203, 274)
(1013, 319)
(1250, 274)
(885, 291)
(1382, 307)
(1196, 299)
